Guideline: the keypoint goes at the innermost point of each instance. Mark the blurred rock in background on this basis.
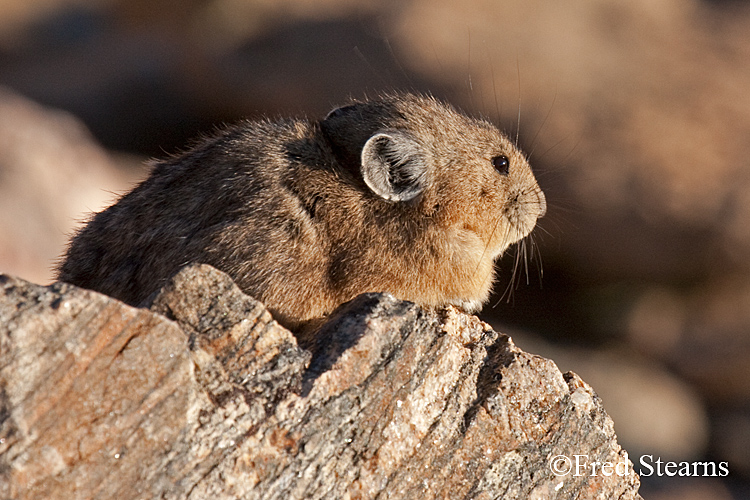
(52, 174)
(636, 116)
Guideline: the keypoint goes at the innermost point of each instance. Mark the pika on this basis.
(401, 194)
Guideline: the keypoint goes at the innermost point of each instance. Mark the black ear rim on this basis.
(392, 166)
(340, 111)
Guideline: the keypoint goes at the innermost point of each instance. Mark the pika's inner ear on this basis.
(393, 166)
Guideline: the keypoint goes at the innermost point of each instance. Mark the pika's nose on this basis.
(542, 204)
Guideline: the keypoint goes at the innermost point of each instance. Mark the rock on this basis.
(701, 335)
(657, 413)
(211, 398)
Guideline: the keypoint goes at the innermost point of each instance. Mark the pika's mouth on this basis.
(529, 203)
(521, 218)
(541, 204)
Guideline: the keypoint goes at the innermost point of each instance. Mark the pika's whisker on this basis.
(549, 112)
(518, 124)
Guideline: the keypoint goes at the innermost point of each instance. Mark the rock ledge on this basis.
(206, 396)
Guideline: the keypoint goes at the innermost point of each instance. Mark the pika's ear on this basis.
(393, 166)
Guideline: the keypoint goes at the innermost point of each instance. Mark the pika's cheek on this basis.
(493, 203)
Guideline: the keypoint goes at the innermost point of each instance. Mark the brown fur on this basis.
(283, 207)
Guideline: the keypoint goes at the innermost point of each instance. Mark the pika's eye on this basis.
(501, 164)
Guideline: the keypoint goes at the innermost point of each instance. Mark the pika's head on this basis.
(460, 174)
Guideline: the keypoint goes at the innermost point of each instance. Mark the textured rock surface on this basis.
(102, 400)
(656, 413)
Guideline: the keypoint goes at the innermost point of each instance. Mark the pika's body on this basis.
(400, 194)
